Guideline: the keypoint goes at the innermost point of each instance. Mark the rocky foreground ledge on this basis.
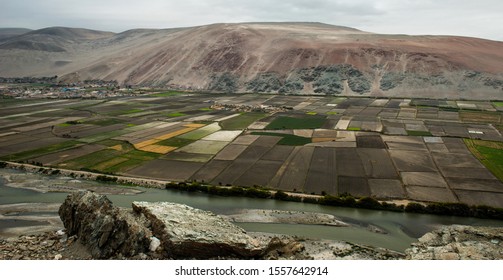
(163, 230)
(96, 229)
(459, 243)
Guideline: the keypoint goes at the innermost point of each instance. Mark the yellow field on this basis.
(194, 125)
(117, 147)
(149, 145)
(159, 149)
(145, 143)
(323, 139)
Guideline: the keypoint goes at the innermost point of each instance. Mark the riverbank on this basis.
(434, 208)
(96, 229)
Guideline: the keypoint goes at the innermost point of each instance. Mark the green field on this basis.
(287, 139)
(90, 161)
(242, 121)
(489, 153)
(175, 114)
(125, 112)
(418, 133)
(41, 151)
(307, 122)
(167, 94)
(110, 160)
(102, 136)
(497, 104)
(205, 109)
(131, 159)
(104, 121)
(64, 125)
(201, 132)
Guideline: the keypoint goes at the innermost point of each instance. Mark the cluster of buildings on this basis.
(47, 88)
(250, 108)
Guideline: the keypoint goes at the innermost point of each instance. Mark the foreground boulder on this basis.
(186, 232)
(459, 243)
(157, 230)
(104, 229)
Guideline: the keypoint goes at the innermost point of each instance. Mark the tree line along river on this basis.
(401, 228)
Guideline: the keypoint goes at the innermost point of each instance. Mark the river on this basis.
(402, 228)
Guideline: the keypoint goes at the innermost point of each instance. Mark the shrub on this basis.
(281, 195)
(457, 209)
(196, 187)
(236, 191)
(214, 190)
(257, 193)
(294, 198)
(106, 179)
(310, 200)
(368, 203)
(481, 211)
(348, 201)
(331, 200)
(414, 207)
(392, 207)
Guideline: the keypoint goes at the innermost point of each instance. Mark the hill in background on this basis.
(288, 58)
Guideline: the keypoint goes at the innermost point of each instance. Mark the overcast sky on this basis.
(480, 18)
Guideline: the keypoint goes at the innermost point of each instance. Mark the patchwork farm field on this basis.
(419, 150)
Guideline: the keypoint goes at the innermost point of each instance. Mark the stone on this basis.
(458, 242)
(104, 229)
(158, 230)
(154, 243)
(58, 257)
(186, 232)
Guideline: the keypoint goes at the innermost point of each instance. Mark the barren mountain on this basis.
(6, 33)
(301, 58)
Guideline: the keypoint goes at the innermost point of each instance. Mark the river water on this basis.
(402, 228)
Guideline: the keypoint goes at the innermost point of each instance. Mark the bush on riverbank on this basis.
(345, 200)
(106, 179)
(455, 209)
(254, 192)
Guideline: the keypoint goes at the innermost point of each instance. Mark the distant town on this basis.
(49, 87)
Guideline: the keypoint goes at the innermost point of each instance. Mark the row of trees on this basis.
(345, 200)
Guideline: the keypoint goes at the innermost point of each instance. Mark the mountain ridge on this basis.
(290, 58)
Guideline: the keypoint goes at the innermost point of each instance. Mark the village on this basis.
(50, 88)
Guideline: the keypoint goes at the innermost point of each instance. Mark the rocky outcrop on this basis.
(104, 229)
(186, 232)
(163, 230)
(157, 230)
(459, 243)
(46, 246)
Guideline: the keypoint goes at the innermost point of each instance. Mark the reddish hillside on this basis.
(302, 58)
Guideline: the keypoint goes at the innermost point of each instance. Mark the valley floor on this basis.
(389, 149)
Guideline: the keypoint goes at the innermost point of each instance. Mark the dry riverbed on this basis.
(285, 217)
(63, 184)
